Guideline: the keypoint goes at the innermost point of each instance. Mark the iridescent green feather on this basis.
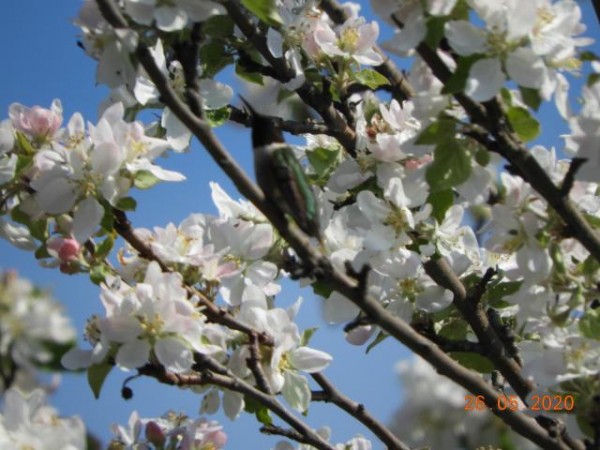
(296, 191)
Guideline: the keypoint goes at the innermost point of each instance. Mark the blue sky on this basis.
(43, 62)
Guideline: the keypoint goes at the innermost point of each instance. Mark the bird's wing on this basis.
(297, 194)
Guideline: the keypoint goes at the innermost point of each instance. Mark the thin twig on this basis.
(290, 126)
(358, 411)
(254, 365)
(279, 431)
(218, 375)
(187, 52)
(569, 179)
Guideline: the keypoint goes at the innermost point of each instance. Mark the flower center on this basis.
(348, 41)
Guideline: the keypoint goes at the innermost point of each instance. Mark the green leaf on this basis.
(218, 26)
(39, 229)
(23, 162)
(265, 10)
(23, 144)
(104, 248)
(506, 95)
(441, 201)
(473, 361)
(458, 80)
(455, 329)
(435, 31)
(451, 166)
(263, 415)
(307, 335)
(590, 266)
(496, 292)
(41, 252)
(526, 127)
(96, 375)
(589, 324)
(322, 289)
(98, 273)
(588, 56)
(217, 117)
(214, 57)
(322, 160)
(593, 79)
(144, 180)
(371, 78)
(531, 97)
(19, 216)
(381, 336)
(583, 422)
(592, 220)
(127, 204)
(437, 132)
(251, 77)
(482, 157)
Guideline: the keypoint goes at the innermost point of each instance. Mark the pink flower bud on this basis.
(65, 249)
(36, 121)
(155, 434)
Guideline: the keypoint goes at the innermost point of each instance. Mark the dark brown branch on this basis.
(447, 345)
(187, 52)
(569, 180)
(290, 126)
(473, 312)
(479, 289)
(217, 375)
(358, 411)
(279, 431)
(254, 365)
(596, 4)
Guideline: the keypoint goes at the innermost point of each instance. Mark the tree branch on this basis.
(475, 315)
(253, 363)
(215, 374)
(358, 411)
(291, 126)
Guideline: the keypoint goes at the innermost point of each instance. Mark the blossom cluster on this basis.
(529, 44)
(171, 430)
(26, 421)
(34, 331)
(152, 319)
(61, 182)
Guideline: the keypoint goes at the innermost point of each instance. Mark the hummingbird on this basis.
(280, 175)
